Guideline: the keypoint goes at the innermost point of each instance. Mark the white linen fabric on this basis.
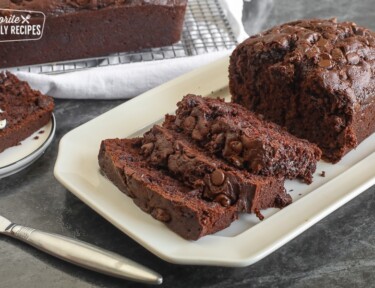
(129, 80)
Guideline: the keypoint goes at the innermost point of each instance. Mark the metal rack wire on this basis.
(205, 30)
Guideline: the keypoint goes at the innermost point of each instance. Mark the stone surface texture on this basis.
(339, 251)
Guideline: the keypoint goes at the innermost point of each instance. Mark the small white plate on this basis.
(16, 158)
(247, 240)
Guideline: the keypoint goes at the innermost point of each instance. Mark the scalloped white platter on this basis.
(247, 240)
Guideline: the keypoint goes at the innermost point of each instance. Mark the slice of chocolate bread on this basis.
(181, 208)
(315, 77)
(22, 110)
(214, 179)
(246, 141)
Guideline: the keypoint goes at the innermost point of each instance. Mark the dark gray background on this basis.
(339, 251)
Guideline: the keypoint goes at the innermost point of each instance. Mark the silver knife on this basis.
(81, 253)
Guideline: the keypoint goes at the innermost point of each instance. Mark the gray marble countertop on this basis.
(339, 251)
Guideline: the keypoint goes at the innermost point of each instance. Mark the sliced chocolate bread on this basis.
(244, 140)
(213, 178)
(22, 110)
(179, 207)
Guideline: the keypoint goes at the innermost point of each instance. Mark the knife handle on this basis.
(84, 255)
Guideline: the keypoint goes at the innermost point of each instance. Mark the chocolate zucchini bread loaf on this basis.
(81, 29)
(166, 199)
(183, 185)
(246, 141)
(215, 180)
(315, 77)
(22, 110)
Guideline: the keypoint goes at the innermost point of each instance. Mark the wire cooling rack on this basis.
(206, 29)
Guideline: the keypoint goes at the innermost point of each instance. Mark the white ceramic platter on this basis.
(246, 240)
(16, 158)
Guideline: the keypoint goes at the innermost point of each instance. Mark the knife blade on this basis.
(81, 253)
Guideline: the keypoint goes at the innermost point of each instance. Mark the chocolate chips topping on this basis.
(209, 177)
(223, 200)
(325, 60)
(243, 139)
(326, 72)
(353, 58)
(168, 150)
(217, 177)
(327, 43)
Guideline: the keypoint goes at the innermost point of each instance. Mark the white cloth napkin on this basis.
(129, 80)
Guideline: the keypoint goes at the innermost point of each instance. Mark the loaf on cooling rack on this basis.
(82, 29)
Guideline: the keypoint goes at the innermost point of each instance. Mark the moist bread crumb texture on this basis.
(160, 195)
(244, 140)
(314, 77)
(179, 176)
(22, 110)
